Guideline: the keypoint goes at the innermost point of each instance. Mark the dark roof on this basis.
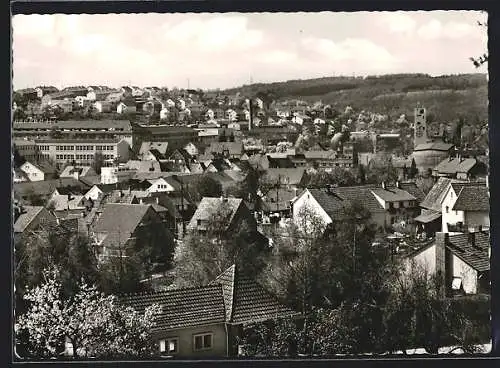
(47, 187)
(473, 198)
(393, 194)
(246, 301)
(476, 255)
(181, 308)
(45, 167)
(120, 220)
(413, 189)
(455, 165)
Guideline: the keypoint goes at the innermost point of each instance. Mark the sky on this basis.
(210, 50)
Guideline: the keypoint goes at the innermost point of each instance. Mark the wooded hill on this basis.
(447, 98)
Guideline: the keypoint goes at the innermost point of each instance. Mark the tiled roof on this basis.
(234, 148)
(413, 189)
(361, 193)
(65, 202)
(23, 221)
(181, 308)
(209, 207)
(473, 198)
(436, 146)
(246, 301)
(435, 197)
(143, 166)
(476, 255)
(393, 194)
(455, 165)
(47, 187)
(331, 203)
(120, 220)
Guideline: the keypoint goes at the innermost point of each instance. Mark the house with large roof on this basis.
(30, 218)
(460, 168)
(121, 228)
(206, 321)
(387, 205)
(462, 260)
(38, 172)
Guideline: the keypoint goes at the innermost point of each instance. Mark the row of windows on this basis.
(65, 157)
(85, 157)
(65, 148)
(200, 342)
(43, 148)
(108, 157)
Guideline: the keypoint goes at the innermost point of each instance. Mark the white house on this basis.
(113, 175)
(463, 260)
(191, 149)
(168, 103)
(181, 104)
(32, 171)
(231, 114)
(465, 205)
(159, 185)
(125, 107)
(93, 193)
(259, 103)
(82, 101)
(103, 106)
(209, 115)
(164, 113)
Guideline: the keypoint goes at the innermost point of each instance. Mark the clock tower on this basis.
(420, 126)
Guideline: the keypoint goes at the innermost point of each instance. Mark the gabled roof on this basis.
(82, 171)
(393, 194)
(182, 308)
(413, 189)
(44, 167)
(476, 255)
(120, 221)
(210, 207)
(25, 219)
(435, 197)
(64, 202)
(143, 166)
(47, 187)
(455, 165)
(246, 301)
(234, 148)
(473, 198)
(428, 216)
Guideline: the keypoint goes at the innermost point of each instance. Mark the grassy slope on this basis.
(445, 97)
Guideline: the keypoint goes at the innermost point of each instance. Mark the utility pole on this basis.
(277, 193)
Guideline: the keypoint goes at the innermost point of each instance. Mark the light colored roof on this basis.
(23, 221)
(393, 194)
(428, 216)
(159, 146)
(210, 207)
(76, 124)
(82, 171)
(63, 202)
(455, 165)
(436, 146)
(143, 166)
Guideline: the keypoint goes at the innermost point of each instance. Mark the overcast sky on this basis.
(226, 50)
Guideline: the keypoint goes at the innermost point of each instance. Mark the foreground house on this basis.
(206, 321)
(462, 259)
(30, 218)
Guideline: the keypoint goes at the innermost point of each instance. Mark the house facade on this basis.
(36, 172)
(206, 321)
(462, 260)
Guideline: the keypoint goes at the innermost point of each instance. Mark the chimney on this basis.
(398, 184)
(442, 239)
(472, 239)
(157, 200)
(383, 185)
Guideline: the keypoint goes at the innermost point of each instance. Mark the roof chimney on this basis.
(383, 185)
(442, 238)
(398, 184)
(472, 239)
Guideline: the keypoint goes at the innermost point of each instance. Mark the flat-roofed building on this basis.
(81, 151)
(75, 129)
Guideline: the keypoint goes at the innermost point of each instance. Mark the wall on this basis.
(467, 273)
(452, 217)
(477, 218)
(122, 150)
(427, 259)
(186, 340)
(306, 200)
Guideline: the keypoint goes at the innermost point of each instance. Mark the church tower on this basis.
(420, 126)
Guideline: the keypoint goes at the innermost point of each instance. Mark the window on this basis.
(169, 345)
(203, 341)
(447, 209)
(199, 222)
